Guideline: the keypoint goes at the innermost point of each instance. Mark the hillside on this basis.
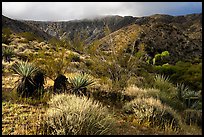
(19, 26)
(110, 75)
(158, 32)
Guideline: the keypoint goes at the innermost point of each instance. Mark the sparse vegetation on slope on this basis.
(123, 78)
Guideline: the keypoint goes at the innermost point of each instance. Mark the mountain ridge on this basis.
(159, 32)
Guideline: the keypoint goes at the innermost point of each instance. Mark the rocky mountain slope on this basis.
(180, 35)
(87, 29)
(18, 26)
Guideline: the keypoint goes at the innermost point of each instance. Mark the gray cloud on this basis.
(53, 11)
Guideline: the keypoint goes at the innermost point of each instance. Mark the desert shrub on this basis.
(192, 76)
(138, 81)
(8, 53)
(153, 111)
(72, 115)
(53, 62)
(139, 92)
(30, 36)
(6, 33)
(165, 69)
(89, 62)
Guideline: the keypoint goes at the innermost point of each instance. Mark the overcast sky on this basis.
(58, 11)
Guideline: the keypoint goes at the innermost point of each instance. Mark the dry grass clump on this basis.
(139, 92)
(72, 115)
(153, 111)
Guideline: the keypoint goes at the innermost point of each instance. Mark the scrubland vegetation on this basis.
(50, 88)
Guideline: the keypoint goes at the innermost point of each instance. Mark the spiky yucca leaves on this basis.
(168, 92)
(71, 115)
(26, 85)
(162, 82)
(80, 82)
(191, 98)
(181, 89)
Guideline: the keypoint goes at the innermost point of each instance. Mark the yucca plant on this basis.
(163, 83)
(189, 97)
(181, 89)
(168, 92)
(26, 86)
(80, 83)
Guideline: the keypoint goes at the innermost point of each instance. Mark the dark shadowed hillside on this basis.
(19, 26)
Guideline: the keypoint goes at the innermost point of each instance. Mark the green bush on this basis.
(183, 72)
(160, 59)
(72, 115)
(153, 111)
